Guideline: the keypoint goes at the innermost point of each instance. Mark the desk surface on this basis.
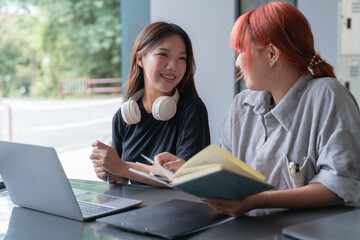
(22, 223)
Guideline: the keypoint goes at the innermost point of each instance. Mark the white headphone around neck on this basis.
(163, 109)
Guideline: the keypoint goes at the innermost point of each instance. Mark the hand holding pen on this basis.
(106, 161)
(108, 179)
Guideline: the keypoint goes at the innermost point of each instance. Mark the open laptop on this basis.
(35, 179)
(340, 226)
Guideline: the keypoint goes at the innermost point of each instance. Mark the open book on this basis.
(211, 173)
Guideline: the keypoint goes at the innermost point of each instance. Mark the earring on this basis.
(272, 64)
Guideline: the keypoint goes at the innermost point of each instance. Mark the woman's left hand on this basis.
(231, 207)
(312, 195)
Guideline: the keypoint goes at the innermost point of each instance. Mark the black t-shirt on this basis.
(183, 135)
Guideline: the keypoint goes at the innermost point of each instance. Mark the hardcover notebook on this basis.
(35, 179)
(171, 219)
(211, 173)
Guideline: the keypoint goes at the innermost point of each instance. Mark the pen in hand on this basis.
(108, 179)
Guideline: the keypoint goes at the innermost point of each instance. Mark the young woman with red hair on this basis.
(294, 113)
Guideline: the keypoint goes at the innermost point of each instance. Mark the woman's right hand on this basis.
(106, 161)
(102, 174)
(169, 161)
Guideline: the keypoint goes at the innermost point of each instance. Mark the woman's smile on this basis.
(168, 77)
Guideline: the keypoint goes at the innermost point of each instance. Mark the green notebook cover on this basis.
(221, 184)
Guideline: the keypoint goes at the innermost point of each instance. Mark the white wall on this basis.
(208, 24)
(323, 18)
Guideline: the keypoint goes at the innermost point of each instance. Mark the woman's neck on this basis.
(285, 79)
(149, 98)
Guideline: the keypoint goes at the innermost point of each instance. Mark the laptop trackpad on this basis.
(103, 199)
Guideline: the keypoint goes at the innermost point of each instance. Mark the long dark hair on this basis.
(149, 38)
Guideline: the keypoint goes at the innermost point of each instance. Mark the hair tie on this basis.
(314, 62)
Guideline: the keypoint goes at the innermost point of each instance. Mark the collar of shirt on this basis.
(285, 110)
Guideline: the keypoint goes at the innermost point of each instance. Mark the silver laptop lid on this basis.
(344, 226)
(35, 179)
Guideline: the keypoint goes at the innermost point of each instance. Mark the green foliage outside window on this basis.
(43, 41)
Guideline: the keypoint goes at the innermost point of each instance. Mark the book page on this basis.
(194, 169)
(163, 170)
(199, 171)
(214, 154)
(153, 170)
(150, 177)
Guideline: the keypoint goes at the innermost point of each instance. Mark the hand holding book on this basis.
(213, 173)
(161, 170)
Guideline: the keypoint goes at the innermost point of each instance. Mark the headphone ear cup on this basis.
(130, 112)
(164, 108)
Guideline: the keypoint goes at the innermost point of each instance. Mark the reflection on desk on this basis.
(268, 226)
(21, 223)
(29, 224)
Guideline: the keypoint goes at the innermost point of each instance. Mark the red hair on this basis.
(284, 26)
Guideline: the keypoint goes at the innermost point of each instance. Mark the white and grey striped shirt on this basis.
(316, 124)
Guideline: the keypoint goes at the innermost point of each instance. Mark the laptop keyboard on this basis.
(89, 209)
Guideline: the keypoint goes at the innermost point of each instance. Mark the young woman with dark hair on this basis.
(162, 110)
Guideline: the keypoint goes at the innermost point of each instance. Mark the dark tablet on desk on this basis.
(169, 220)
(340, 226)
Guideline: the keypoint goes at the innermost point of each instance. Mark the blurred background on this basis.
(64, 64)
(50, 53)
